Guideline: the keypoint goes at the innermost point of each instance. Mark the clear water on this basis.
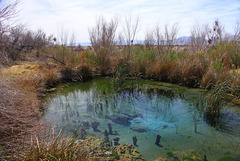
(145, 109)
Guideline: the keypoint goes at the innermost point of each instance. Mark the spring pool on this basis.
(146, 109)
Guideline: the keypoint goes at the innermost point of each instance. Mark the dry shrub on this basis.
(209, 78)
(139, 68)
(109, 65)
(105, 67)
(175, 71)
(51, 77)
(79, 73)
(66, 73)
(193, 71)
(152, 71)
(82, 73)
(164, 70)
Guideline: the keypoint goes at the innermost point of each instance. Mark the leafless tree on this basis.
(103, 35)
(130, 29)
(63, 34)
(21, 40)
(149, 41)
(170, 36)
(166, 38)
(8, 11)
(237, 31)
(160, 39)
(73, 40)
(198, 38)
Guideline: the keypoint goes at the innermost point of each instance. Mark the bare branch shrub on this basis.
(160, 39)
(103, 35)
(19, 40)
(72, 40)
(237, 31)
(130, 29)
(8, 11)
(198, 38)
(170, 36)
(165, 41)
(63, 34)
(149, 41)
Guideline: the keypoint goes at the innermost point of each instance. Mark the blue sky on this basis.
(79, 15)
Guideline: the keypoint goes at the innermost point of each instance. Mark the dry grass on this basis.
(21, 70)
(193, 70)
(56, 147)
(20, 103)
(19, 112)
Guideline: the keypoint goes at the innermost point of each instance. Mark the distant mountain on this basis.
(85, 44)
(184, 40)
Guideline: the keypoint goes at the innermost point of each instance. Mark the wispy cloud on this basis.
(81, 14)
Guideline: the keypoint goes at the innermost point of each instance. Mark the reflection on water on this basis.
(142, 113)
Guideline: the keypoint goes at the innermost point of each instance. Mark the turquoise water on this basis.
(146, 109)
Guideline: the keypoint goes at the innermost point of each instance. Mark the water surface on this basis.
(146, 109)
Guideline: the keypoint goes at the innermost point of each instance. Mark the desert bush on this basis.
(198, 40)
(130, 30)
(144, 55)
(102, 36)
(19, 40)
(225, 54)
(165, 40)
(149, 41)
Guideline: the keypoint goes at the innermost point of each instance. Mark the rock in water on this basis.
(164, 127)
(139, 128)
(121, 120)
(86, 124)
(158, 140)
(110, 129)
(95, 126)
(134, 140)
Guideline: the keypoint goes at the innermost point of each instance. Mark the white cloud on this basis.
(79, 15)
